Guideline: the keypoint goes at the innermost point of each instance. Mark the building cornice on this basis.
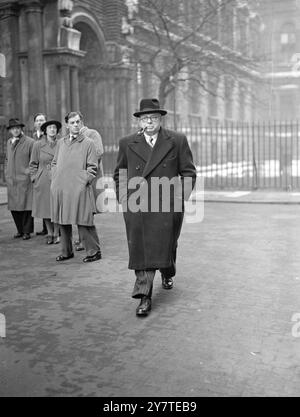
(31, 6)
(61, 56)
(8, 9)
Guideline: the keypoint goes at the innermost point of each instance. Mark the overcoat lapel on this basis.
(162, 146)
(20, 141)
(79, 138)
(46, 147)
(140, 147)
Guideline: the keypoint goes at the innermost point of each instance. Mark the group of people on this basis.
(54, 178)
(63, 173)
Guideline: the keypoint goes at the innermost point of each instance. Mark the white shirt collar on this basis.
(148, 137)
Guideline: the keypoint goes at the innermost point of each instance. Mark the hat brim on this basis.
(147, 111)
(51, 122)
(17, 125)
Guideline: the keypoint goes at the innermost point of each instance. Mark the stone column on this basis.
(120, 86)
(9, 46)
(248, 37)
(36, 101)
(235, 100)
(65, 90)
(221, 102)
(74, 89)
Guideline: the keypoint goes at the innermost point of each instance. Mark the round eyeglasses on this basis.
(151, 118)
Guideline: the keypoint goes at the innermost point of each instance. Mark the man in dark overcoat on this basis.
(154, 174)
(19, 187)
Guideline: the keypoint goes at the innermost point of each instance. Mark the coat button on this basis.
(137, 168)
(164, 165)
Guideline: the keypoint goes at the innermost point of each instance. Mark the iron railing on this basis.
(247, 156)
(228, 156)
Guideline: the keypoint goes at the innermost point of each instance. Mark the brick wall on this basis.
(108, 13)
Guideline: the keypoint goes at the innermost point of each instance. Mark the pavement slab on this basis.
(225, 329)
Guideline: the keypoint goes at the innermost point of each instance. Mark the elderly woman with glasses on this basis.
(40, 171)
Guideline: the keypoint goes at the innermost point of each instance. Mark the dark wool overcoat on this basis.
(40, 172)
(19, 187)
(74, 167)
(152, 233)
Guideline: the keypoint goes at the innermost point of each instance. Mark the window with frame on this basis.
(287, 41)
(210, 18)
(227, 14)
(288, 105)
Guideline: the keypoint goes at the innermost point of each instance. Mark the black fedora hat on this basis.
(149, 105)
(14, 123)
(50, 122)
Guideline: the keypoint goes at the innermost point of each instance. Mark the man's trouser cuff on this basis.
(143, 283)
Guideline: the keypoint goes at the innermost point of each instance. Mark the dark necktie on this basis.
(14, 144)
(151, 140)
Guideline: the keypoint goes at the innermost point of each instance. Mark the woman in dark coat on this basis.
(40, 171)
(19, 187)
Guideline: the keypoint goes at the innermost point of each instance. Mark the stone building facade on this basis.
(281, 67)
(62, 55)
(227, 97)
(76, 54)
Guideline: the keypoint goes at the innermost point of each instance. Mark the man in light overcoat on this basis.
(74, 167)
(153, 215)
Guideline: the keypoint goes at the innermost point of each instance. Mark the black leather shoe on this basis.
(79, 246)
(93, 258)
(167, 283)
(64, 258)
(41, 233)
(26, 236)
(18, 235)
(50, 240)
(144, 307)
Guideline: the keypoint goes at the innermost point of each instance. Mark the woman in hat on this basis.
(40, 171)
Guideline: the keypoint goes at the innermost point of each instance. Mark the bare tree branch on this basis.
(179, 40)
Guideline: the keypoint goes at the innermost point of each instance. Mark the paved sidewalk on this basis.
(225, 329)
(257, 197)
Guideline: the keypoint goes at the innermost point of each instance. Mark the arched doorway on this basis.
(91, 86)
